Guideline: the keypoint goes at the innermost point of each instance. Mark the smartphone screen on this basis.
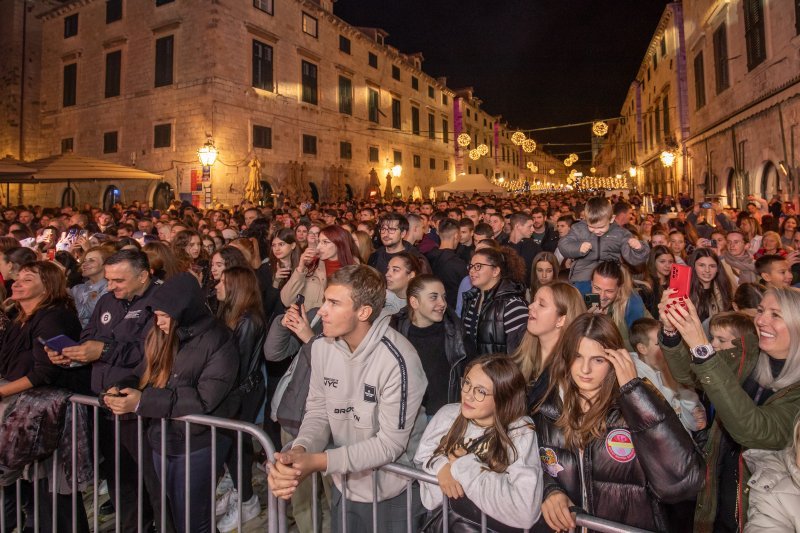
(591, 299)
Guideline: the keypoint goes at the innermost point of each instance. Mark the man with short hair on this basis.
(543, 233)
(622, 213)
(445, 263)
(416, 230)
(393, 230)
(250, 215)
(363, 408)
(465, 248)
(473, 212)
(498, 224)
(482, 232)
(113, 343)
(520, 240)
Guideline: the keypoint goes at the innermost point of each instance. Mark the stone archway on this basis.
(769, 180)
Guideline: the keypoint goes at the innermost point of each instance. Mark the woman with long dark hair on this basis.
(191, 366)
(163, 263)
(711, 290)
(608, 441)
(240, 309)
(317, 264)
(656, 275)
(284, 256)
(484, 453)
(495, 311)
(544, 270)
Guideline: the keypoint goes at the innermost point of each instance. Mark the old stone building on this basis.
(744, 83)
(654, 118)
(319, 103)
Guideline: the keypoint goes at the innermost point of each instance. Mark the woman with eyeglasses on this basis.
(494, 310)
(484, 453)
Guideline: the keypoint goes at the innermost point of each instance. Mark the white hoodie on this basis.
(513, 497)
(369, 403)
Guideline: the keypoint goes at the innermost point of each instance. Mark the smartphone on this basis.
(706, 205)
(299, 300)
(57, 343)
(51, 254)
(713, 243)
(591, 299)
(680, 279)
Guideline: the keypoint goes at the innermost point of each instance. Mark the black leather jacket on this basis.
(459, 350)
(644, 458)
(491, 332)
(250, 335)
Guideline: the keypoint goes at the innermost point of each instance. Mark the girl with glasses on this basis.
(484, 452)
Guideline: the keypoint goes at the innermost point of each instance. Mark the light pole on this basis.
(207, 154)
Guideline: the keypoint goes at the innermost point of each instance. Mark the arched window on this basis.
(111, 196)
(162, 196)
(266, 194)
(68, 197)
(769, 180)
(314, 191)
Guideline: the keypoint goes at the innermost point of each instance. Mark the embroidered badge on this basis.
(619, 445)
(105, 318)
(369, 393)
(550, 461)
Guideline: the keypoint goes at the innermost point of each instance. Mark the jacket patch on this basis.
(133, 314)
(619, 446)
(331, 382)
(370, 394)
(550, 461)
(105, 318)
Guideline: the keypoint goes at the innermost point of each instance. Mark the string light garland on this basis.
(464, 140)
(474, 154)
(573, 157)
(568, 162)
(483, 149)
(552, 171)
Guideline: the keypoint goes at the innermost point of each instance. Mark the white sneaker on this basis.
(225, 502)
(250, 509)
(225, 484)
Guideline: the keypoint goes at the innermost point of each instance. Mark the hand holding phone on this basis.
(680, 279)
(591, 299)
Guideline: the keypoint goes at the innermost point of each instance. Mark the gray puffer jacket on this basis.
(774, 491)
(610, 246)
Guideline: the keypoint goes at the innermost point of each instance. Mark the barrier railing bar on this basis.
(314, 504)
(213, 476)
(117, 459)
(187, 487)
(239, 479)
(374, 500)
(19, 504)
(140, 474)
(74, 408)
(54, 496)
(163, 483)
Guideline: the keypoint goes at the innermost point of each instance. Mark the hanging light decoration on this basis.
(529, 145)
(535, 169)
(474, 154)
(600, 128)
(464, 140)
(568, 162)
(592, 170)
(530, 165)
(667, 158)
(483, 149)
(552, 171)
(574, 157)
(518, 138)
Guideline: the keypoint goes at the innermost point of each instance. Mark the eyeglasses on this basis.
(479, 393)
(389, 229)
(477, 266)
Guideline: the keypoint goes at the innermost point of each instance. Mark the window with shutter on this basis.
(754, 32)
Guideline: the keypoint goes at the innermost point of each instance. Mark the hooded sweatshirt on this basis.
(368, 403)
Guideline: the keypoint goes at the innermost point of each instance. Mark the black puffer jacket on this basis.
(490, 336)
(458, 349)
(645, 458)
(203, 373)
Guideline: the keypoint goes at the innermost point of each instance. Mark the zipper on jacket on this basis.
(584, 492)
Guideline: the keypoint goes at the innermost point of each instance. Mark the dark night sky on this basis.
(538, 63)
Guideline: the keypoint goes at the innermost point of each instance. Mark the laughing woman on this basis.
(752, 386)
(609, 442)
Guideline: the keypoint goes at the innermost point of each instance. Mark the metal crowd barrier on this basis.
(276, 508)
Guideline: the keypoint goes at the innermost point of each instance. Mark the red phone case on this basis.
(680, 279)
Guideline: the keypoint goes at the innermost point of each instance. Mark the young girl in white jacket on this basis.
(484, 452)
(775, 488)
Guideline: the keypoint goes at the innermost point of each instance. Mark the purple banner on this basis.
(496, 143)
(458, 125)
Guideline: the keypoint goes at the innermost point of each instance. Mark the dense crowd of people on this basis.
(533, 353)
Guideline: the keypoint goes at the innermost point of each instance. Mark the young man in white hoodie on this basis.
(363, 405)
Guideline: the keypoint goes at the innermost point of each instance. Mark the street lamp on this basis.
(632, 170)
(667, 158)
(207, 153)
(396, 171)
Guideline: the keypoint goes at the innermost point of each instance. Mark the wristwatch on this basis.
(703, 352)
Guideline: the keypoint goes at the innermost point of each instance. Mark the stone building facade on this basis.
(744, 84)
(318, 102)
(654, 117)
